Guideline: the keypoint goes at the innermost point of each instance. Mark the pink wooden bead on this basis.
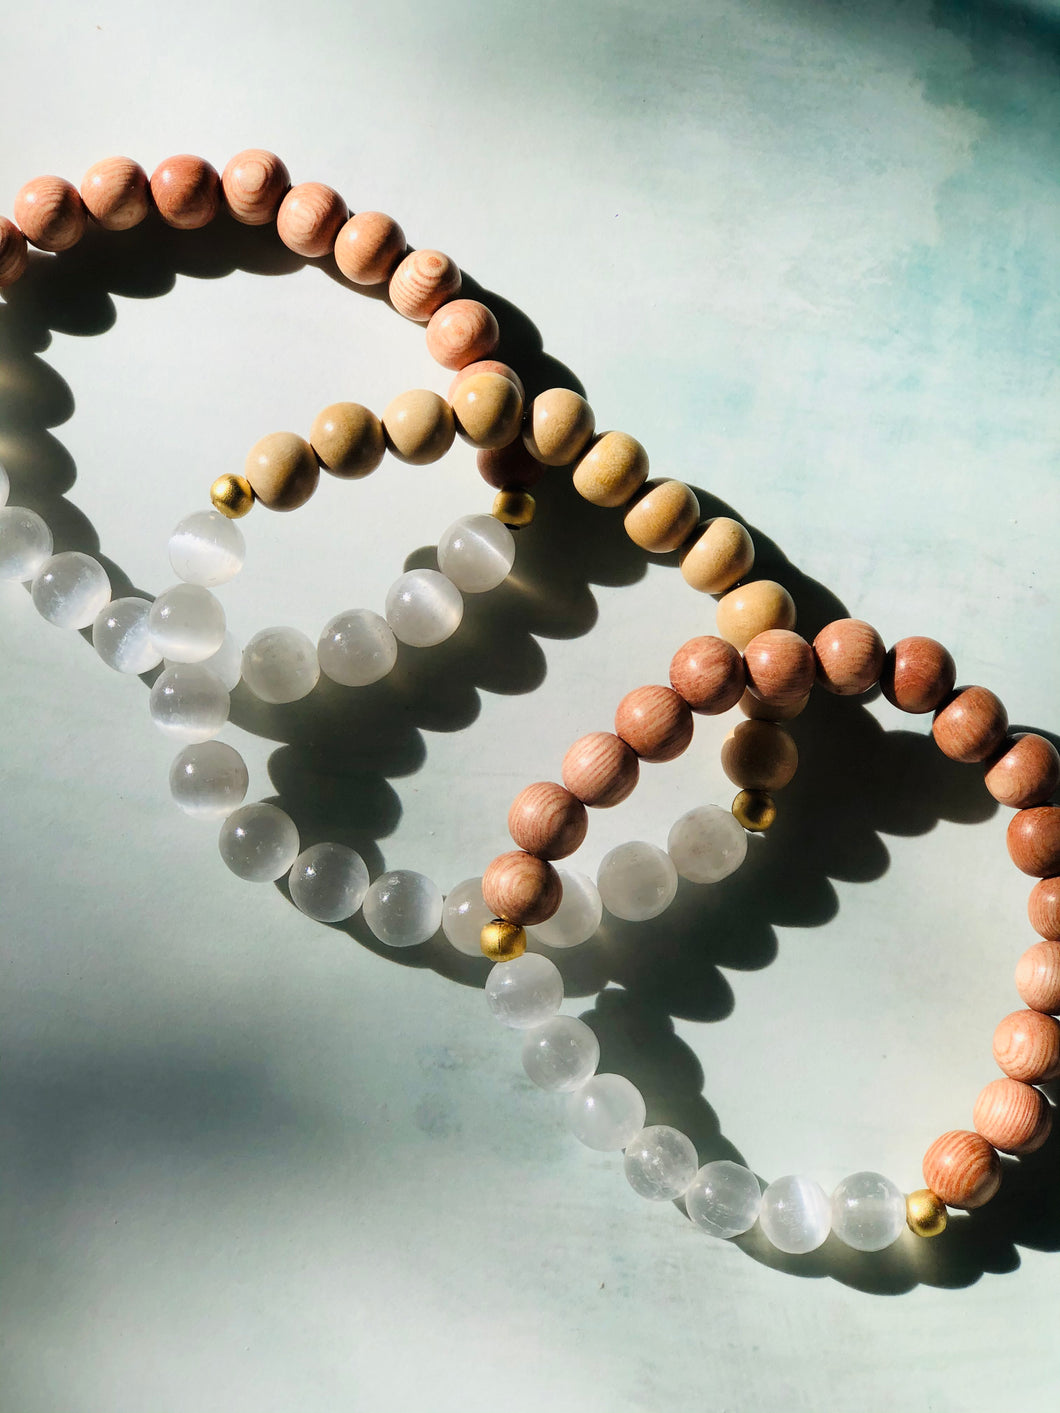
(461, 332)
(655, 721)
(962, 1169)
(1033, 840)
(509, 468)
(14, 257)
(368, 247)
(1025, 773)
(849, 654)
(422, 283)
(51, 213)
(1012, 1117)
(600, 769)
(309, 219)
(187, 192)
(253, 183)
(780, 667)
(115, 193)
(1043, 908)
(521, 888)
(1027, 1046)
(709, 673)
(918, 674)
(971, 726)
(1038, 977)
(488, 365)
(547, 820)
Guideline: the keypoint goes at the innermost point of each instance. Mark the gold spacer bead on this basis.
(502, 940)
(755, 809)
(925, 1213)
(514, 508)
(232, 496)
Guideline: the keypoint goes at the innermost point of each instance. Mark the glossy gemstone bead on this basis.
(547, 820)
(1033, 839)
(328, 882)
(637, 881)
(121, 636)
(115, 193)
(71, 589)
(578, 916)
(600, 769)
(476, 553)
(368, 247)
(962, 1169)
(606, 1112)
(423, 608)
(561, 1054)
(357, 647)
(709, 673)
(189, 702)
(707, 844)
(524, 992)
(227, 662)
(209, 780)
(724, 1199)
(612, 471)
(719, 554)
(795, 1215)
(1013, 1117)
(186, 623)
(656, 722)
(754, 608)
(1025, 773)
(259, 843)
(280, 665)
(403, 908)
(917, 675)
(868, 1212)
(971, 726)
(660, 1163)
(309, 218)
(849, 657)
(925, 1213)
(1038, 977)
(464, 915)
(253, 184)
(5, 486)
(207, 548)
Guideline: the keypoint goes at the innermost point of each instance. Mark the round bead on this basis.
(348, 440)
(524, 992)
(1038, 977)
(403, 908)
(50, 213)
(280, 665)
(115, 193)
(282, 470)
(1027, 1046)
(121, 636)
(971, 726)
(501, 940)
(423, 608)
(578, 915)
(488, 410)
(1026, 772)
(509, 468)
(491, 365)
(310, 217)
(547, 820)
(357, 647)
(328, 882)
(368, 247)
(559, 427)
(71, 589)
(14, 257)
(187, 192)
(612, 471)
(259, 843)
(561, 1054)
(707, 844)
(780, 667)
(709, 674)
(600, 769)
(660, 1163)
(719, 555)
(207, 548)
(419, 427)
(1043, 909)
(795, 1215)
(918, 674)
(925, 1213)
(663, 516)
(189, 702)
(606, 1112)
(227, 662)
(724, 1199)
(253, 183)
(752, 609)
(759, 710)
(514, 508)
(868, 1212)
(754, 810)
(186, 623)
(521, 888)
(759, 755)
(25, 544)
(232, 495)
(464, 915)
(462, 332)
(655, 722)
(1033, 839)
(422, 283)
(476, 553)
(637, 881)
(1012, 1117)
(848, 655)
(209, 780)
(962, 1169)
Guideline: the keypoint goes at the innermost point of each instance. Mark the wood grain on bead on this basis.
(282, 470)
(719, 555)
(547, 820)
(559, 427)
(655, 721)
(663, 516)
(186, 191)
(514, 508)
(310, 217)
(422, 283)
(1038, 977)
(369, 247)
(709, 673)
(600, 769)
(962, 1169)
(780, 667)
(522, 888)
(759, 755)
(14, 256)
(612, 471)
(488, 411)
(1013, 1117)
(970, 726)
(115, 193)
(419, 427)
(849, 655)
(488, 365)
(348, 440)
(461, 332)
(759, 710)
(753, 608)
(509, 468)
(1027, 1046)
(50, 213)
(918, 675)
(253, 184)
(1043, 909)
(1026, 772)
(1033, 839)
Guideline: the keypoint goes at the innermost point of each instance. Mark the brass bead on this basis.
(925, 1213)
(514, 508)
(232, 496)
(502, 940)
(755, 810)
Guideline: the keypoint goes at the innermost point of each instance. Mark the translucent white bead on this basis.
(189, 703)
(328, 882)
(724, 1199)
(121, 637)
(226, 662)
(524, 992)
(464, 915)
(637, 881)
(795, 1215)
(5, 485)
(476, 553)
(578, 915)
(403, 908)
(280, 665)
(187, 623)
(209, 780)
(258, 843)
(70, 589)
(707, 844)
(606, 1112)
(357, 647)
(868, 1211)
(660, 1162)
(423, 607)
(207, 548)
(25, 543)
(561, 1054)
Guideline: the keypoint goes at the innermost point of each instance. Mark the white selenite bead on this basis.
(561, 1054)
(5, 485)
(280, 665)
(606, 1112)
(660, 1162)
(121, 637)
(868, 1211)
(707, 844)
(328, 882)
(423, 608)
(578, 915)
(207, 548)
(189, 702)
(724, 1199)
(357, 648)
(209, 780)
(70, 589)
(403, 908)
(524, 992)
(258, 843)
(795, 1215)
(226, 662)
(476, 553)
(25, 543)
(637, 881)
(187, 623)
(464, 915)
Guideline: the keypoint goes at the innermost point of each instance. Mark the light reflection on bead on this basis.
(207, 548)
(724, 1199)
(464, 915)
(925, 1213)
(795, 1215)
(232, 495)
(189, 702)
(187, 623)
(756, 810)
(121, 637)
(403, 908)
(259, 843)
(423, 608)
(209, 780)
(357, 648)
(328, 882)
(476, 553)
(25, 543)
(71, 589)
(868, 1212)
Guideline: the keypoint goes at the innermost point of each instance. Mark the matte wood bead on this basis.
(971, 726)
(1038, 977)
(14, 257)
(232, 496)
(720, 554)
(559, 427)
(849, 656)
(422, 283)
(462, 332)
(756, 810)
(547, 820)
(600, 769)
(348, 440)
(1027, 1046)
(419, 427)
(655, 721)
(962, 1169)
(521, 888)
(759, 710)
(50, 213)
(1026, 772)
(187, 192)
(663, 516)
(488, 410)
(282, 470)
(752, 608)
(759, 755)
(488, 365)
(115, 193)
(253, 184)
(1012, 1117)
(780, 666)
(509, 468)
(709, 673)
(514, 508)
(502, 941)
(925, 1213)
(1033, 840)
(310, 217)
(1043, 908)
(612, 470)
(368, 247)
(918, 674)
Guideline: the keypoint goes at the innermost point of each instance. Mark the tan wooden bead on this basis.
(50, 213)
(1038, 977)
(547, 820)
(709, 673)
(521, 888)
(918, 674)
(422, 283)
(348, 440)
(1043, 909)
(752, 608)
(282, 470)
(759, 710)
(720, 555)
(759, 755)
(1026, 772)
(663, 516)
(310, 217)
(509, 468)
(559, 427)
(514, 508)
(600, 769)
(655, 721)
(419, 427)
(488, 411)
(1033, 839)
(186, 191)
(612, 471)
(1027, 1046)
(1012, 1117)
(780, 667)
(962, 1169)
(115, 193)
(970, 726)
(487, 365)
(461, 332)
(253, 184)
(14, 257)
(369, 247)
(849, 654)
